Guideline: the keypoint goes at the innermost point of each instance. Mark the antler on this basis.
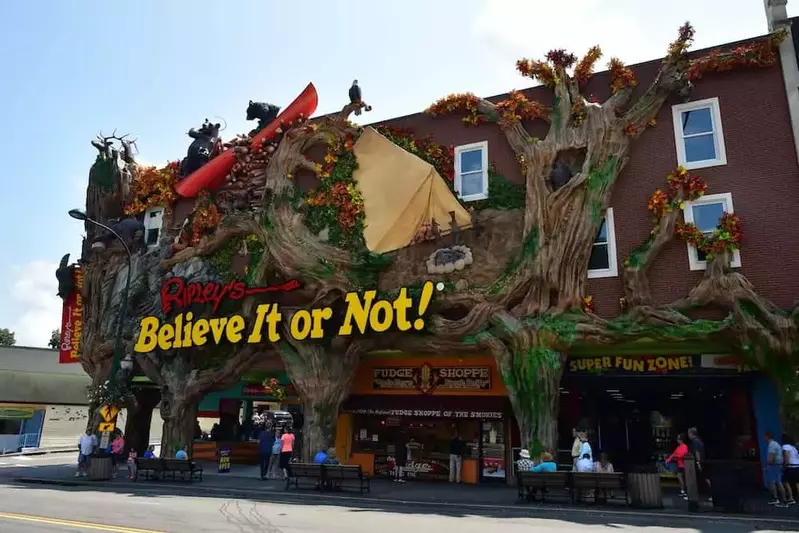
(113, 136)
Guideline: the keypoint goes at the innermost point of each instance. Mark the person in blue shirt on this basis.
(274, 459)
(546, 464)
(149, 453)
(181, 454)
(320, 457)
(266, 440)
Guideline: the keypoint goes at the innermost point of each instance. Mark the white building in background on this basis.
(43, 403)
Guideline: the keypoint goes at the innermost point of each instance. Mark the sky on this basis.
(155, 68)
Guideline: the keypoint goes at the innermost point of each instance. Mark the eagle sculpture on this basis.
(64, 275)
(355, 96)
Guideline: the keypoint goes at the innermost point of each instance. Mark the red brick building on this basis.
(738, 138)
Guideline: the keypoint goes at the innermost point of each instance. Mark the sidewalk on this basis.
(244, 482)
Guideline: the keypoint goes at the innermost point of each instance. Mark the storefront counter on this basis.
(365, 460)
(241, 453)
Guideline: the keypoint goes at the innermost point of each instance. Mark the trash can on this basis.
(643, 485)
(725, 486)
(101, 468)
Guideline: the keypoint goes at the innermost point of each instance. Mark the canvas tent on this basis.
(400, 193)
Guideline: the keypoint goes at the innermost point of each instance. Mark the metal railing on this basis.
(29, 440)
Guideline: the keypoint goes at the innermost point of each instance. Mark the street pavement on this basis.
(50, 510)
(243, 504)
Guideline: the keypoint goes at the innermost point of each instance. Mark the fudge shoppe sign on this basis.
(427, 378)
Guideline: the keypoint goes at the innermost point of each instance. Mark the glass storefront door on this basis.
(492, 451)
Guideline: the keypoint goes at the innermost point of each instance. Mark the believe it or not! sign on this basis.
(364, 313)
(72, 321)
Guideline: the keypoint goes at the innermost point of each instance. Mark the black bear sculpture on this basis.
(202, 149)
(65, 276)
(130, 229)
(263, 112)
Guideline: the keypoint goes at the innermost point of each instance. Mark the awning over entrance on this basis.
(41, 388)
(429, 406)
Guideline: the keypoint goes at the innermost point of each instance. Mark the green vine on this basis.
(598, 178)
(528, 250)
(336, 205)
(222, 260)
(503, 195)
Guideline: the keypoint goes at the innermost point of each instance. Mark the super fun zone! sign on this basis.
(364, 313)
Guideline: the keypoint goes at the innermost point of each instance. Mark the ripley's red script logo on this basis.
(175, 292)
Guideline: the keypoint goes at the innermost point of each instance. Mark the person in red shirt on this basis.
(679, 456)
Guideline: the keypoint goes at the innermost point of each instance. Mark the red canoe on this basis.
(212, 175)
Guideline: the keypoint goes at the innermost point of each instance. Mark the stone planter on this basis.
(645, 491)
(100, 468)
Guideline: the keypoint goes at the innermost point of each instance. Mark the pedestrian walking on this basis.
(790, 463)
(266, 439)
(679, 457)
(456, 449)
(401, 453)
(697, 448)
(286, 450)
(774, 461)
(274, 459)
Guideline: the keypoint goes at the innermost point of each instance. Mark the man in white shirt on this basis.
(88, 443)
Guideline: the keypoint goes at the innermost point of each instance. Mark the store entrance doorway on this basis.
(636, 420)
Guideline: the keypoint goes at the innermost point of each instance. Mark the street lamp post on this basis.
(77, 214)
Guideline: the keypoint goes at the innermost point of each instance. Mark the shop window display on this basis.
(427, 449)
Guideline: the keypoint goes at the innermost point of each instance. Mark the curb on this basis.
(46, 451)
(41, 452)
(317, 497)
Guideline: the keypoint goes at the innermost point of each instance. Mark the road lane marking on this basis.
(75, 524)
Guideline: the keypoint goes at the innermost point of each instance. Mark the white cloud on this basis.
(37, 308)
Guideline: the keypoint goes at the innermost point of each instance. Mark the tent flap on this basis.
(400, 193)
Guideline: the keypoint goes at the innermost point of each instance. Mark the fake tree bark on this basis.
(291, 251)
(533, 313)
(322, 376)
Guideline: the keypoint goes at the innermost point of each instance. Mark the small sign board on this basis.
(106, 427)
(109, 412)
(105, 440)
(224, 460)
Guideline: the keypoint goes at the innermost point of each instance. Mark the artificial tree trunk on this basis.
(138, 424)
(322, 376)
(180, 416)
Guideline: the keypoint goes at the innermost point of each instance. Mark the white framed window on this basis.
(471, 171)
(153, 222)
(698, 134)
(603, 262)
(705, 213)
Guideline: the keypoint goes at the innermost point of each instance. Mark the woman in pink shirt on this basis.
(118, 452)
(679, 455)
(286, 449)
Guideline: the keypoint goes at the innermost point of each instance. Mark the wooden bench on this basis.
(188, 470)
(147, 466)
(531, 482)
(302, 473)
(601, 484)
(339, 477)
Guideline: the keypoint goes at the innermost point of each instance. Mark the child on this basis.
(132, 464)
(150, 452)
